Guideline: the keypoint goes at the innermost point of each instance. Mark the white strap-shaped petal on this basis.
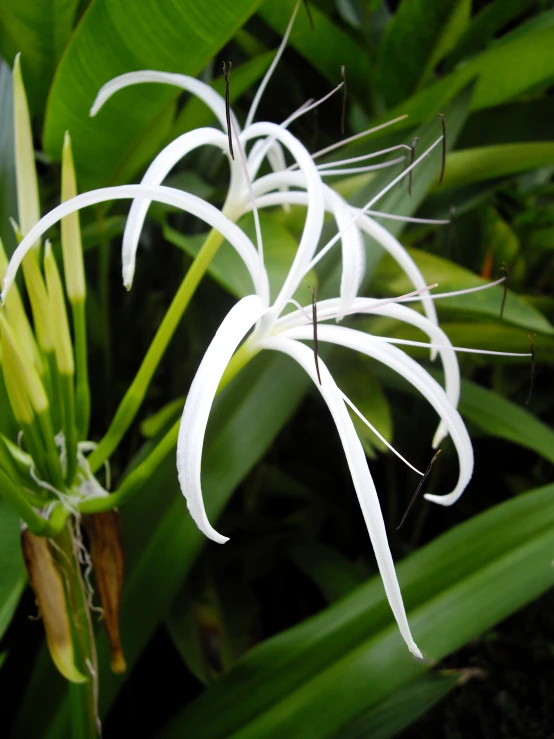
(400, 362)
(178, 199)
(400, 255)
(327, 309)
(276, 159)
(207, 94)
(315, 211)
(364, 223)
(200, 398)
(361, 477)
(156, 173)
(353, 248)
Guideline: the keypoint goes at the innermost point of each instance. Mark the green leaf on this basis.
(455, 588)
(505, 420)
(498, 79)
(339, 47)
(212, 625)
(333, 573)
(228, 269)
(398, 200)
(510, 123)
(450, 277)
(8, 200)
(13, 576)
(401, 709)
(484, 163)
(490, 19)
(196, 114)
(180, 37)
(497, 337)
(421, 33)
(366, 393)
(40, 30)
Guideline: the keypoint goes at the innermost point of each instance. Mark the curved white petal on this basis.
(353, 248)
(207, 94)
(400, 362)
(315, 211)
(200, 398)
(185, 201)
(361, 477)
(401, 256)
(155, 175)
(327, 309)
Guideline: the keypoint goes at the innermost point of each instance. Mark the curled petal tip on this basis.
(213, 535)
(97, 104)
(414, 649)
(444, 500)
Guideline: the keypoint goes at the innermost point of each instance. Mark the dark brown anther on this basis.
(443, 165)
(314, 321)
(107, 555)
(48, 587)
(309, 12)
(504, 268)
(532, 376)
(343, 107)
(412, 157)
(418, 489)
(226, 75)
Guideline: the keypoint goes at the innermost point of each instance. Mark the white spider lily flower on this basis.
(270, 142)
(285, 334)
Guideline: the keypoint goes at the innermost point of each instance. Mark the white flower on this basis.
(264, 315)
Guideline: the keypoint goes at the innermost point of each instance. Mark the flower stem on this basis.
(134, 396)
(68, 397)
(84, 696)
(136, 479)
(14, 496)
(82, 390)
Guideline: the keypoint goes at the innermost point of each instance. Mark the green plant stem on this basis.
(52, 455)
(70, 430)
(82, 389)
(35, 446)
(14, 496)
(104, 296)
(84, 696)
(53, 389)
(134, 396)
(136, 479)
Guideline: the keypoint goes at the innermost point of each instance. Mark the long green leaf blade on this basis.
(173, 37)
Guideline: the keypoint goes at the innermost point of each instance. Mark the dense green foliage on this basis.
(286, 631)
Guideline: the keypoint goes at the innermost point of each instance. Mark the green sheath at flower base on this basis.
(26, 174)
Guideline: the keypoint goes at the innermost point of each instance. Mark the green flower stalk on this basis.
(76, 288)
